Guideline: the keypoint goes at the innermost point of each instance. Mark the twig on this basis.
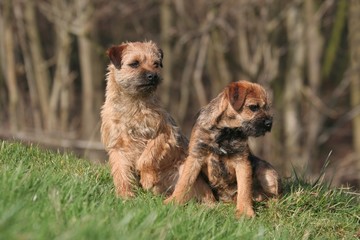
(318, 103)
(346, 117)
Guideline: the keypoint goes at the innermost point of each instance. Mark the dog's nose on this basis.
(268, 123)
(150, 76)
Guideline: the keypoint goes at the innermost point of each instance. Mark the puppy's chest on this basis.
(222, 142)
(141, 130)
(230, 141)
(222, 177)
(226, 147)
(131, 132)
(143, 126)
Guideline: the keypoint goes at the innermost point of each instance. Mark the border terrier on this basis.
(144, 145)
(219, 149)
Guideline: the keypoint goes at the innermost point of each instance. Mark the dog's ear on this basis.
(115, 54)
(161, 53)
(236, 94)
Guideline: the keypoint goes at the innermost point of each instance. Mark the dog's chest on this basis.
(143, 126)
(230, 141)
(131, 131)
(222, 178)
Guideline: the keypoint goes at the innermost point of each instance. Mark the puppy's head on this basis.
(245, 105)
(136, 66)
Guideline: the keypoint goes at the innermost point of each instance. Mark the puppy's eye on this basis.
(254, 108)
(134, 64)
(156, 64)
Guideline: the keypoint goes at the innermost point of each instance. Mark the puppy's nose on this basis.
(150, 76)
(268, 123)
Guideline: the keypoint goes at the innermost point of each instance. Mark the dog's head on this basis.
(245, 105)
(137, 66)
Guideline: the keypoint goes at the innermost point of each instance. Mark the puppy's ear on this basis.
(161, 53)
(236, 93)
(115, 54)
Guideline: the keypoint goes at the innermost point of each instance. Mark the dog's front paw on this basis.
(246, 211)
(174, 199)
(148, 180)
(169, 200)
(124, 193)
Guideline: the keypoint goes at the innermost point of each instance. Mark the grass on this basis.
(47, 195)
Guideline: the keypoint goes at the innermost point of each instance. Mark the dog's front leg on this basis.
(188, 174)
(148, 163)
(122, 172)
(244, 205)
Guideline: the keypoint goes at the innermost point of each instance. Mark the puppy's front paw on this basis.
(169, 200)
(174, 199)
(124, 193)
(246, 211)
(148, 180)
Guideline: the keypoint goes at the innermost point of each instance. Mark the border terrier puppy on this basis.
(219, 149)
(144, 145)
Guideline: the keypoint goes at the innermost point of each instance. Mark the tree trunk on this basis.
(313, 53)
(87, 118)
(2, 61)
(185, 80)
(201, 59)
(29, 71)
(165, 13)
(249, 57)
(41, 73)
(221, 65)
(199, 68)
(335, 38)
(60, 92)
(10, 74)
(293, 85)
(86, 53)
(354, 42)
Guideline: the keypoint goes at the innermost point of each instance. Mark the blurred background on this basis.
(306, 53)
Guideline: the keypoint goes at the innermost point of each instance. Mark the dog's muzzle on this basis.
(268, 124)
(152, 78)
(149, 82)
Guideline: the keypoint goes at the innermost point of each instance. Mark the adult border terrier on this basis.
(144, 145)
(219, 149)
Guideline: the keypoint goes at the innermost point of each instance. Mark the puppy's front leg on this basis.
(149, 160)
(122, 172)
(187, 178)
(244, 187)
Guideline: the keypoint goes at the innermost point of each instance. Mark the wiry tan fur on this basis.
(219, 149)
(144, 145)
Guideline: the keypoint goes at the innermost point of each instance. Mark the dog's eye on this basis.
(254, 108)
(134, 64)
(156, 64)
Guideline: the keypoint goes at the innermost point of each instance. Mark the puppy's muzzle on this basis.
(268, 124)
(152, 78)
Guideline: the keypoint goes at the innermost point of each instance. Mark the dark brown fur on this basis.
(219, 149)
(145, 146)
